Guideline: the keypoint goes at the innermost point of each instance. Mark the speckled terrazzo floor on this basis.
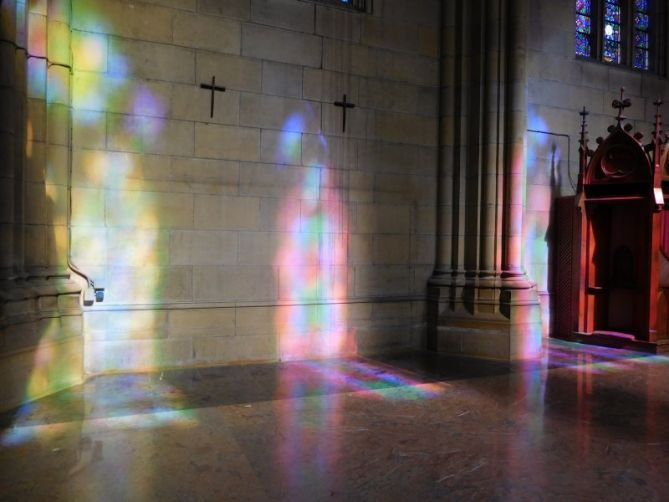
(585, 423)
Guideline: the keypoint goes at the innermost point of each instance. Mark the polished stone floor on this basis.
(585, 423)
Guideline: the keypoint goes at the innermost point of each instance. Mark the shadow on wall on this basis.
(548, 177)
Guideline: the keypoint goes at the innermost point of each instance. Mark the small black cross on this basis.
(213, 88)
(344, 105)
(584, 113)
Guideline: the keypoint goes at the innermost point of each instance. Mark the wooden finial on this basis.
(621, 104)
(657, 134)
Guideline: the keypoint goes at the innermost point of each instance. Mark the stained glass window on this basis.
(611, 50)
(619, 32)
(641, 43)
(584, 28)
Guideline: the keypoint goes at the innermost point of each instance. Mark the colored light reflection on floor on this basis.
(47, 432)
(312, 411)
(311, 260)
(597, 360)
(372, 380)
(133, 402)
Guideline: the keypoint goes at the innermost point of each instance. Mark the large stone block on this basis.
(425, 12)
(239, 9)
(196, 247)
(281, 147)
(257, 320)
(104, 93)
(360, 249)
(379, 32)
(348, 58)
(298, 16)
(281, 45)
(377, 156)
(34, 239)
(89, 129)
(206, 175)
(279, 181)
(392, 249)
(329, 151)
(201, 322)
(58, 42)
(390, 96)
(382, 218)
(246, 349)
(226, 213)
(227, 142)
(88, 206)
(206, 32)
(404, 67)
(400, 128)
(137, 355)
(381, 280)
(278, 214)
(259, 248)
(275, 112)
(148, 284)
(281, 79)
(124, 18)
(150, 60)
(149, 209)
(89, 246)
(89, 51)
(423, 249)
(134, 247)
(132, 133)
(233, 283)
(337, 23)
(400, 188)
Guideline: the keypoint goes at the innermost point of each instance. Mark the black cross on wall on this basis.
(213, 88)
(344, 105)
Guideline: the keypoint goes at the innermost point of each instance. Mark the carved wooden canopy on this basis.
(622, 165)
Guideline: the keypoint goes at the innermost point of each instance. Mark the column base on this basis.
(485, 317)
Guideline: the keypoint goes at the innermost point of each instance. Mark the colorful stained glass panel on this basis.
(641, 5)
(612, 13)
(583, 6)
(641, 21)
(641, 39)
(612, 32)
(583, 24)
(641, 59)
(611, 51)
(582, 45)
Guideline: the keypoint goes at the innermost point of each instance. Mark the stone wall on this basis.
(263, 232)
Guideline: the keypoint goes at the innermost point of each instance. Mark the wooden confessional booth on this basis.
(611, 267)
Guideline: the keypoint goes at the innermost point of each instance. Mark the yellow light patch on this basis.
(89, 51)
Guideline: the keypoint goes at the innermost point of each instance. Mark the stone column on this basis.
(9, 94)
(489, 309)
(40, 317)
(58, 137)
(515, 138)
